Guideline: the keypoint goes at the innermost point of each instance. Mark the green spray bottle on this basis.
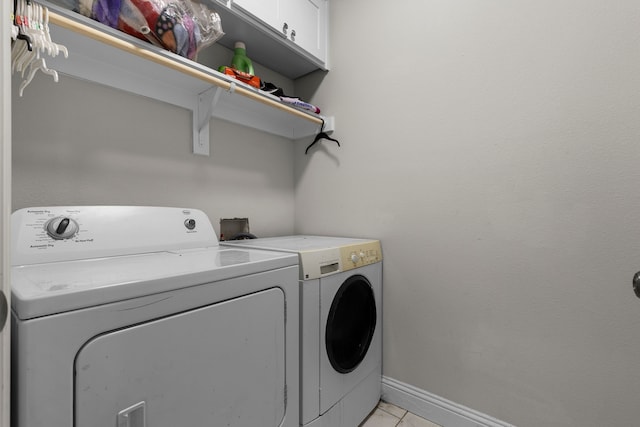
(240, 60)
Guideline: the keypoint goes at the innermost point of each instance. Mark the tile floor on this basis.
(388, 415)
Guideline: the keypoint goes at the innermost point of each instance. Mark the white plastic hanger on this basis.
(57, 48)
(39, 64)
(33, 25)
(22, 53)
(14, 28)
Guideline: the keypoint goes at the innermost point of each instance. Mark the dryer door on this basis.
(223, 365)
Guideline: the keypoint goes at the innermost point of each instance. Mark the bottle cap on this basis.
(239, 45)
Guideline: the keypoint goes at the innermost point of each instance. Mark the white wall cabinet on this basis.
(263, 10)
(303, 23)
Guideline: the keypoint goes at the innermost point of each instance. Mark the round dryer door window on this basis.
(351, 324)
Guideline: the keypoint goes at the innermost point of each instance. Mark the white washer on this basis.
(340, 325)
(134, 316)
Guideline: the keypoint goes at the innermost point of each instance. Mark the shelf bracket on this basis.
(207, 101)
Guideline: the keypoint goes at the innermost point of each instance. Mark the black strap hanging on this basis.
(321, 135)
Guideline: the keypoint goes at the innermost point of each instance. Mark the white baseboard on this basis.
(434, 408)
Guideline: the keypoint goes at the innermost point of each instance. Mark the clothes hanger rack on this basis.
(32, 22)
(17, 23)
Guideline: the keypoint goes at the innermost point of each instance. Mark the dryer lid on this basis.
(49, 288)
(113, 253)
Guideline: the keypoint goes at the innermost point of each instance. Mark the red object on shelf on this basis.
(247, 78)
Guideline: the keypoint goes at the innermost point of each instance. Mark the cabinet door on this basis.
(306, 24)
(263, 10)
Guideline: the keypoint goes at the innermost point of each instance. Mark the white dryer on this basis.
(135, 317)
(340, 325)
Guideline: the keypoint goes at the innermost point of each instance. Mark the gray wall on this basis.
(78, 143)
(494, 147)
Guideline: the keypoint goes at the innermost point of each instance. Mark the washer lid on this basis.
(49, 288)
(300, 243)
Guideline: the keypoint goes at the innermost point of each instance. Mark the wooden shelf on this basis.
(100, 54)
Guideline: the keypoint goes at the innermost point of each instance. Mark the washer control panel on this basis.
(66, 233)
(316, 263)
(361, 254)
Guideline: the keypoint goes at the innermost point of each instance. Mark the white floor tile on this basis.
(411, 420)
(392, 409)
(380, 418)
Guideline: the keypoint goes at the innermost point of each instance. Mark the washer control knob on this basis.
(61, 228)
(190, 223)
(355, 258)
